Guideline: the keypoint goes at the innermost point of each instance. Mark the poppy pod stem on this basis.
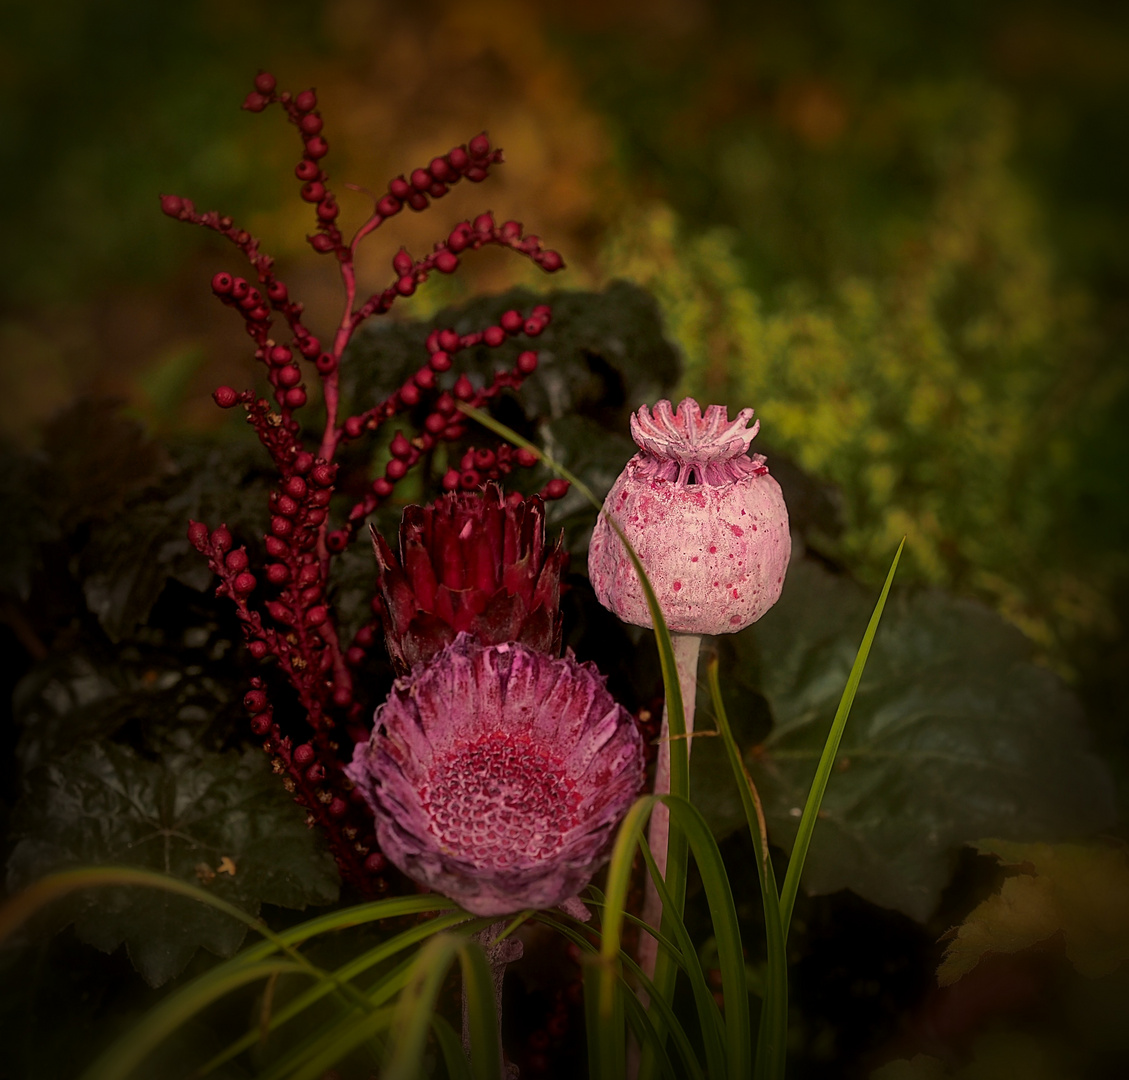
(686, 649)
(498, 955)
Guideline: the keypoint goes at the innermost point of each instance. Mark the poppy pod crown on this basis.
(706, 519)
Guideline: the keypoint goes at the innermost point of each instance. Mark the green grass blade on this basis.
(451, 1047)
(827, 758)
(347, 972)
(773, 1030)
(345, 1042)
(127, 1054)
(482, 1010)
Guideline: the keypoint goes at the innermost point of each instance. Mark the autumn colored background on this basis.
(899, 230)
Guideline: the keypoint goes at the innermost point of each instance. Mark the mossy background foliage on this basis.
(896, 229)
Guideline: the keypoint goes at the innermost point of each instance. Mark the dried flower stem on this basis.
(498, 955)
(686, 649)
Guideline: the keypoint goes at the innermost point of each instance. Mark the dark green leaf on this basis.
(220, 819)
(955, 734)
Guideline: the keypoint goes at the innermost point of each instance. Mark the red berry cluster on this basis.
(293, 623)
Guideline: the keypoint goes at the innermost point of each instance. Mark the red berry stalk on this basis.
(291, 621)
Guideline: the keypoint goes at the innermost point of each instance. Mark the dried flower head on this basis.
(473, 561)
(498, 775)
(707, 521)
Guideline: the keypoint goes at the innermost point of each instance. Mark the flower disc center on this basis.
(500, 801)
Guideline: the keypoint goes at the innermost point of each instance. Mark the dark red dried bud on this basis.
(276, 290)
(276, 548)
(469, 479)
(326, 363)
(172, 205)
(469, 562)
(295, 397)
(448, 340)
(556, 489)
(402, 262)
(354, 656)
(450, 480)
(479, 146)
(327, 210)
(337, 541)
(440, 361)
(463, 389)
(280, 355)
(550, 260)
(354, 427)
(400, 447)
(303, 462)
(376, 863)
(435, 423)
(289, 376)
(321, 243)
(493, 336)
(421, 179)
(382, 487)
(258, 649)
(458, 158)
(278, 573)
(265, 82)
(400, 188)
(342, 696)
(222, 282)
(281, 526)
(527, 362)
(314, 191)
(225, 397)
(260, 724)
(526, 457)
(306, 101)
(458, 240)
(255, 102)
(239, 288)
(287, 506)
(295, 487)
(484, 224)
(446, 262)
(417, 201)
(512, 322)
(475, 175)
(323, 475)
(310, 124)
(409, 394)
(511, 230)
(425, 378)
(533, 327)
(440, 169)
(316, 616)
(396, 469)
(306, 170)
(389, 205)
(221, 539)
(406, 285)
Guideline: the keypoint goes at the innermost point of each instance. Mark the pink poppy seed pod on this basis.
(707, 521)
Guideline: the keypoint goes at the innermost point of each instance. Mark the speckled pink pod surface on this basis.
(498, 775)
(707, 521)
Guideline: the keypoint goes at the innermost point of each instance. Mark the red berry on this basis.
(306, 101)
(221, 539)
(287, 507)
(448, 340)
(493, 336)
(354, 427)
(409, 394)
(236, 560)
(396, 469)
(328, 210)
(484, 224)
(303, 462)
(354, 656)
(417, 201)
(458, 240)
(479, 146)
(400, 188)
(382, 487)
(280, 355)
(321, 243)
(306, 170)
(446, 262)
(463, 390)
(197, 534)
(225, 397)
(289, 375)
(260, 724)
(295, 487)
(375, 863)
(326, 363)
(258, 649)
(221, 283)
(254, 102)
(512, 322)
(337, 541)
(309, 347)
(342, 696)
(435, 423)
(550, 260)
(445, 404)
(281, 526)
(421, 179)
(337, 808)
(533, 327)
(278, 573)
(400, 447)
(276, 549)
(314, 191)
(264, 82)
(172, 205)
(310, 124)
(402, 262)
(276, 290)
(527, 362)
(254, 701)
(244, 583)
(475, 175)
(316, 616)
(555, 489)
(295, 397)
(458, 158)
(388, 206)
(526, 457)
(425, 378)
(440, 169)
(440, 361)
(450, 480)
(437, 190)
(469, 479)
(304, 754)
(406, 285)
(239, 289)
(323, 475)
